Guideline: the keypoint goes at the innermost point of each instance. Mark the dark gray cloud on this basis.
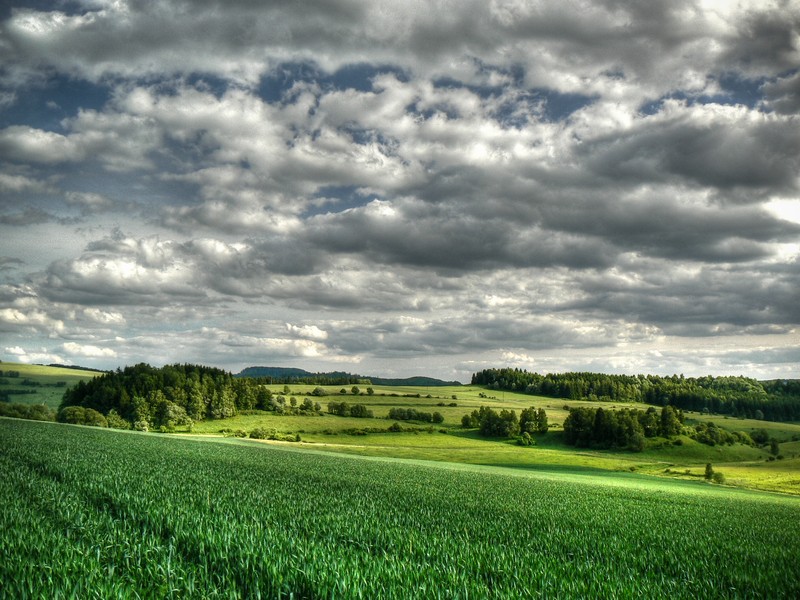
(783, 94)
(704, 148)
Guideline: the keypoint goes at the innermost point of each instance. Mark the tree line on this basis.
(777, 400)
(412, 414)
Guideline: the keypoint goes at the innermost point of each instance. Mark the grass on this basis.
(50, 383)
(244, 519)
(744, 465)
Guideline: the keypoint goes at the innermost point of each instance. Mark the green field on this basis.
(45, 385)
(90, 512)
(743, 466)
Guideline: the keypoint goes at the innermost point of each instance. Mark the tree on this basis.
(370, 391)
(355, 390)
(709, 471)
(670, 423)
(774, 447)
(541, 421)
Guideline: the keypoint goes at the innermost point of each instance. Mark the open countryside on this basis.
(310, 503)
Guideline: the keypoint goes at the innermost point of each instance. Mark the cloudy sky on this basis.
(402, 188)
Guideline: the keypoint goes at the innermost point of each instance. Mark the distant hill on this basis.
(291, 375)
(75, 368)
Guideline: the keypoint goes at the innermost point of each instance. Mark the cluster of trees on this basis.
(343, 409)
(626, 428)
(712, 435)
(279, 405)
(777, 400)
(146, 397)
(505, 423)
(355, 390)
(412, 414)
(533, 420)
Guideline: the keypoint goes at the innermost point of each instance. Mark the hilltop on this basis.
(294, 375)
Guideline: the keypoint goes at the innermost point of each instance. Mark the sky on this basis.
(402, 188)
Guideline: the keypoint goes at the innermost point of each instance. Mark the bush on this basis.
(261, 433)
(526, 440)
(718, 477)
(78, 415)
(115, 421)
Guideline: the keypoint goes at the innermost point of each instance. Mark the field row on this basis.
(98, 513)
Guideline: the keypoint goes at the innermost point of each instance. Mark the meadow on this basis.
(743, 466)
(90, 512)
(39, 384)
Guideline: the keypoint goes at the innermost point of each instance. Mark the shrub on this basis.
(718, 477)
(525, 439)
(78, 415)
(115, 421)
(261, 433)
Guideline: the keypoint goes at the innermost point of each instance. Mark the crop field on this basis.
(97, 513)
(38, 384)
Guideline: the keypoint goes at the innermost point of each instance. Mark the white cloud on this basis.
(34, 356)
(311, 332)
(87, 350)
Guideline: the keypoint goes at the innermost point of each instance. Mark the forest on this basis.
(777, 400)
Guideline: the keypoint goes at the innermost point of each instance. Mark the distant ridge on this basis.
(75, 368)
(291, 374)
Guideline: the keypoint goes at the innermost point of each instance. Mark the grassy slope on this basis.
(48, 393)
(743, 466)
(228, 519)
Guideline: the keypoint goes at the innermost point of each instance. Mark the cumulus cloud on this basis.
(381, 182)
(74, 349)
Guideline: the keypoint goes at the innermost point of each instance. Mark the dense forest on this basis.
(777, 400)
(144, 397)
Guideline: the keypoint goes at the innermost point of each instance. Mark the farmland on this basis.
(743, 466)
(38, 384)
(446, 441)
(91, 512)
